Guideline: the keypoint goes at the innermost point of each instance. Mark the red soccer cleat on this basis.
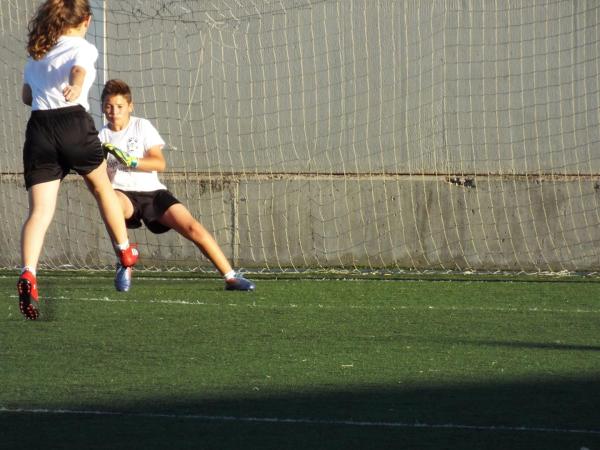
(129, 256)
(28, 295)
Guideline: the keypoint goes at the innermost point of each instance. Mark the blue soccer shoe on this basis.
(122, 278)
(239, 283)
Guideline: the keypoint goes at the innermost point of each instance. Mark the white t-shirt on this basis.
(48, 76)
(138, 136)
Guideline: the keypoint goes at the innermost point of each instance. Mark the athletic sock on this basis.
(229, 275)
(123, 246)
(28, 269)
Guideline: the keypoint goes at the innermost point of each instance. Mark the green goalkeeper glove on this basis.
(122, 157)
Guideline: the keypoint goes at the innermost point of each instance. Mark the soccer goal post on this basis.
(353, 134)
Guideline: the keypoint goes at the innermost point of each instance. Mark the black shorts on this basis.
(149, 207)
(58, 140)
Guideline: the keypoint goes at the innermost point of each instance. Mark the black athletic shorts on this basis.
(149, 207)
(58, 140)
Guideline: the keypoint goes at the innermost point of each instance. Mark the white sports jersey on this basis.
(138, 136)
(48, 76)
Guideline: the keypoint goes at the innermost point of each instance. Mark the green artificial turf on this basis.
(302, 364)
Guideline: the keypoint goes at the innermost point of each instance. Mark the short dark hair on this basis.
(116, 87)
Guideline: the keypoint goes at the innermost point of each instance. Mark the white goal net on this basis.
(353, 134)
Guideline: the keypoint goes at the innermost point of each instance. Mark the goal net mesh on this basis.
(342, 134)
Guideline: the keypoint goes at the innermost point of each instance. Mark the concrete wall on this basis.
(530, 224)
(382, 134)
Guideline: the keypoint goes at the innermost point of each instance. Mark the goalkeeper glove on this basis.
(122, 157)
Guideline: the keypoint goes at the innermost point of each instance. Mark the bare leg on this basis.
(108, 202)
(42, 204)
(179, 219)
(126, 205)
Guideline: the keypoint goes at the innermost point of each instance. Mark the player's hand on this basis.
(72, 92)
(122, 157)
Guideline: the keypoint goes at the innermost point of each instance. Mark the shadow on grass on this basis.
(517, 344)
(558, 414)
(535, 345)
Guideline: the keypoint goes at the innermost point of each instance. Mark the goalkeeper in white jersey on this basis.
(134, 156)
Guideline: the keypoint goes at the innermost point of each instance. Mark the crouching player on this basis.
(134, 155)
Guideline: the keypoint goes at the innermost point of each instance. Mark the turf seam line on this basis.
(320, 306)
(305, 421)
(539, 278)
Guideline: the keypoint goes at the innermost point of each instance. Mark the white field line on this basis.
(349, 279)
(299, 421)
(254, 304)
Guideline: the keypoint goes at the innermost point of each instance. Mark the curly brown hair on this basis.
(51, 20)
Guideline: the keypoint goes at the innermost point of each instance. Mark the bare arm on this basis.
(152, 160)
(73, 90)
(27, 95)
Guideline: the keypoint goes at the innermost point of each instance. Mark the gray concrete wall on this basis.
(530, 224)
(341, 132)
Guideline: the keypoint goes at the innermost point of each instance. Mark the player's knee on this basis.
(196, 231)
(99, 190)
(41, 216)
